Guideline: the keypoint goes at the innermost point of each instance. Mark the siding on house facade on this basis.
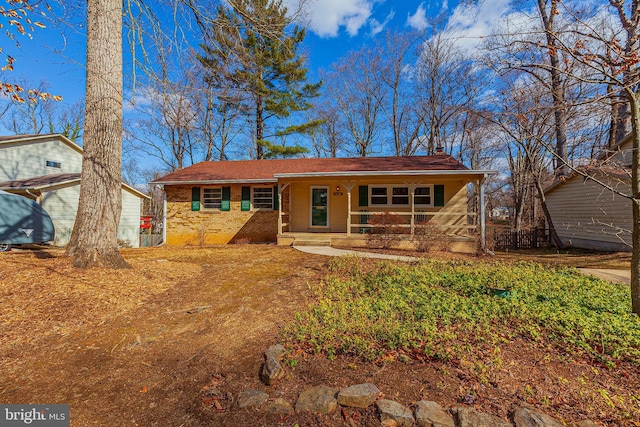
(28, 157)
(216, 202)
(47, 168)
(186, 226)
(587, 215)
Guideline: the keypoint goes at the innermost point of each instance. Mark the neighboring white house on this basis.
(47, 168)
(588, 215)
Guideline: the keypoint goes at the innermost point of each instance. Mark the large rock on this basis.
(276, 351)
(278, 406)
(320, 399)
(469, 417)
(390, 410)
(430, 414)
(528, 417)
(359, 396)
(271, 371)
(251, 397)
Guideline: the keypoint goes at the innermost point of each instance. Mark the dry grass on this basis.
(139, 346)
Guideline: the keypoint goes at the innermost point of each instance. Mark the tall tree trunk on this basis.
(622, 118)
(557, 91)
(635, 201)
(94, 240)
(259, 128)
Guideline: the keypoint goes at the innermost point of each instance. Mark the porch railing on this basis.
(454, 223)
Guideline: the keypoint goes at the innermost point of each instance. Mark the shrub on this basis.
(386, 231)
(430, 236)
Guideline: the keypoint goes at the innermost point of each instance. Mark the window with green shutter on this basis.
(245, 204)
(438, 195)
(263, 198)
(212, 198)
(363, 195)
(195, 199)
(276, 201)
(225, 204)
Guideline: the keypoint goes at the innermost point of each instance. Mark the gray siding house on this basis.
(588, 215)
(46, 168)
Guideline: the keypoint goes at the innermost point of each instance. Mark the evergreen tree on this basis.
(251, 57)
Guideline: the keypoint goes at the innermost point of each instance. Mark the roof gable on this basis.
(48, 181)
(270, 170)
(38, 138)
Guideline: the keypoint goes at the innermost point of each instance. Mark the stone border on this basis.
(326, 400)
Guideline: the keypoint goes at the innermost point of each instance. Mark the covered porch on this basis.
(334, 210)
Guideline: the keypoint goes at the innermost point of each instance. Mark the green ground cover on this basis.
(443, 310)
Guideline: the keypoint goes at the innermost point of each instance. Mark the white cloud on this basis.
(470, 22)
(377, 26)
(326, 17)
(418, 21)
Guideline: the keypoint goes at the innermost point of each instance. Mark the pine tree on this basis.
(251, 56)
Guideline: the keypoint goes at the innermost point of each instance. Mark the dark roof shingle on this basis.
(254, 170)
(41, 181)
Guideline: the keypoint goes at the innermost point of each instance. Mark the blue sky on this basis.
(334, 27)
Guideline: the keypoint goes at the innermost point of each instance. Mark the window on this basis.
(422, 196)
(52, 164)
(378, 195)
(212, 198)
(263, 197)
(389, 195)
(400, 196)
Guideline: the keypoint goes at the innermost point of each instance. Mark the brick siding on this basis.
(212, 226)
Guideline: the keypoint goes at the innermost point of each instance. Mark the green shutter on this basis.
(438, 195)
(226, 199)
(363, 195)
(276, 204)
(245, 204)
(195, 199)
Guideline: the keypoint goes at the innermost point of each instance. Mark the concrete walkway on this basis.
(617, 276)
(329, 251)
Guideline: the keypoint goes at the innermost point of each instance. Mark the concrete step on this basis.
(306, 242)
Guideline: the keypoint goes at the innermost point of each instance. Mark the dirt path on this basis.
(144, 359)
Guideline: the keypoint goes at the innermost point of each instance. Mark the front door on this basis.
(319, 206)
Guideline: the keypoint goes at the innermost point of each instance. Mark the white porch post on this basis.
(281, 188)
(412, 187)
(349, 212)
(348, 186)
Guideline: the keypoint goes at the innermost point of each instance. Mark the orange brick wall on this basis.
(212, 226)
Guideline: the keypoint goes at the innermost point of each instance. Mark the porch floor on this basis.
(466, 244)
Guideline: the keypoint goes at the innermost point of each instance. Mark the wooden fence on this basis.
(524, 239)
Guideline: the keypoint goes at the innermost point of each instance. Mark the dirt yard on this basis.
(145, 346)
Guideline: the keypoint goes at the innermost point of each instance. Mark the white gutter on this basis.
(385, 173)
(218, 181)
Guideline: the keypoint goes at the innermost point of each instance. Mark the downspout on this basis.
(164, 216)
(36, 198)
